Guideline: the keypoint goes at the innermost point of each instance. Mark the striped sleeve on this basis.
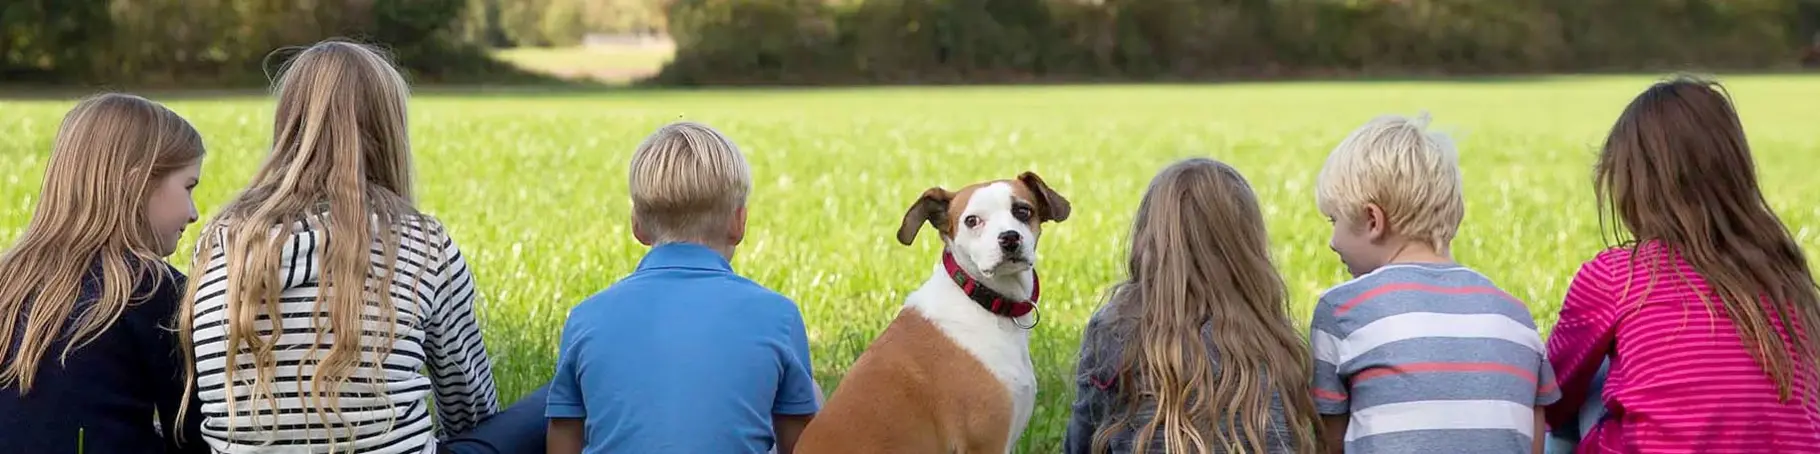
(460, 370)
(1581, 339)
(1331, 396)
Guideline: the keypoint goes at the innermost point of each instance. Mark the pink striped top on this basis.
(1681, 380)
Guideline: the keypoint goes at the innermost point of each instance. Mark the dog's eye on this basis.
(1021, 213)
(972, 221)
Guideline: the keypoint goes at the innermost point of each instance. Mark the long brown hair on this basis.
(110, 151)
(1678, 173)
(340, 162)
(1200, 273)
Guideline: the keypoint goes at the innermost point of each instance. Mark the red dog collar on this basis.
(990, 300)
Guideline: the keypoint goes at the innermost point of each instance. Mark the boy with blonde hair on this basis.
(1417, 353)
(683, 355)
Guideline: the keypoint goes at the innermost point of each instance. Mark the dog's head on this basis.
(991, 227)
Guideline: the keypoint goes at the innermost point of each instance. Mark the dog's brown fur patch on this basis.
(912, 383)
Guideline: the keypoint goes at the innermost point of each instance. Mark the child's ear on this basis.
(931, 207)
(736, 230)
(1376, 225)
(638, 232)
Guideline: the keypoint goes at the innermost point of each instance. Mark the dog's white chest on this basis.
(997, 342)
(1021, 381)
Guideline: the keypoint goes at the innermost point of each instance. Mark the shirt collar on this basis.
(684, 255)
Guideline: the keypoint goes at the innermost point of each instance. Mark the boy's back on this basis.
(1430, 358)
(683, 356)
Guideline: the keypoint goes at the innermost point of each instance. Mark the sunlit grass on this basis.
(533, 186)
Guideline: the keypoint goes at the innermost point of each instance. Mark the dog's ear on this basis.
(1050, 205)
(931, 207)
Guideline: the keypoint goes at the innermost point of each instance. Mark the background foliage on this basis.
(195, 42)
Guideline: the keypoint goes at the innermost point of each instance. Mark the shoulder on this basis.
(1413, 290)
(1339, 298)
(1104, 335)
(1616, 257)
(766, 300)
(1103, 321)
(1615, 263)
(157, 287)
(151, 278)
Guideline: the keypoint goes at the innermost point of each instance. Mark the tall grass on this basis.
(533, 186)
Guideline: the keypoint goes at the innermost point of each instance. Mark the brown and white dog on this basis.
(952, 373)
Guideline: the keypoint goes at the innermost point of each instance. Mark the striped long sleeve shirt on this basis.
(384, 407)
(1681, 380)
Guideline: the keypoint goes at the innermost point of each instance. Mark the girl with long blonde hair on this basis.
(87, 301)
(327, 311)
(1194, 352)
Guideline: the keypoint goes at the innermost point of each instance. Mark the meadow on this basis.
(532, 185)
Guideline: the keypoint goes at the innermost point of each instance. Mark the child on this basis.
(684, 355)
(333, 208)
(87, 296)
(1706, 311)
(1194, 352)
(1417, 353)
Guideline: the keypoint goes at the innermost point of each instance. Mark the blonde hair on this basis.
(686, 181)
(1200, 278)
(90, 223)
(1410, 173)
(339, 149)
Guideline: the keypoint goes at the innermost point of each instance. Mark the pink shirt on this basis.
(1681, 380)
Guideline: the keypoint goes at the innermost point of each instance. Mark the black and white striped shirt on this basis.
(383, 407)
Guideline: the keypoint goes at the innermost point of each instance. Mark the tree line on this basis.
(936, 41)
(201, 42)
(226, 42)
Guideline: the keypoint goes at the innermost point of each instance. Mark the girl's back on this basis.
(1682, 380)
(1703, 310)
(1102, 342)
(383, 403)
(104, 395)
(344, 308)
(1194, 353)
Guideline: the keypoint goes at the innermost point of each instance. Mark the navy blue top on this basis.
(114, 394)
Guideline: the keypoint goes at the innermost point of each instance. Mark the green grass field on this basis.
(533, 186)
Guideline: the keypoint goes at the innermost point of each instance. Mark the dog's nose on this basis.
(1009, 239)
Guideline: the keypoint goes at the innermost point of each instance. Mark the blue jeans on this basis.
(1564, 442)
(518, 429)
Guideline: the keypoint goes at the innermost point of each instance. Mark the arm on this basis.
(460, 370)
(789, 429)
(168, 361)
(1091, 394)
(1541, 433)
(1332, 398)
(1582, 338)
(1334, 432)
(798, 397)
(566, 436)
(564, 406)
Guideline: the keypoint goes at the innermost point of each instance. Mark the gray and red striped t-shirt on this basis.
(1429, 358)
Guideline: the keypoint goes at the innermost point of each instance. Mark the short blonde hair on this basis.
(1410, 173)
(686, 182)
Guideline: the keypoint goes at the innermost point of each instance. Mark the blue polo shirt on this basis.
(683, 355)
